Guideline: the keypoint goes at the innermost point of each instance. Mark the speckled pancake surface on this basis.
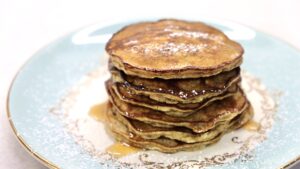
(147, 131)
(175, 85)
(174, 91)
(173, 49)
(200, 121)
(164, 144)
(179, 109)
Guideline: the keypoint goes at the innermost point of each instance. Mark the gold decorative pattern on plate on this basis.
(81, 126)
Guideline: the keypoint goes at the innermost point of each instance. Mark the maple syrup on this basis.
(252, 126)
(119, 150)
(98, 112)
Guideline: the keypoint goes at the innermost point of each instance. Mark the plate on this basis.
(49, 101)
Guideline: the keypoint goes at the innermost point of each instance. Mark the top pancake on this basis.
(171, 49)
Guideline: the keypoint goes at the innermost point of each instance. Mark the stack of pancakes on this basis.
(175, 85)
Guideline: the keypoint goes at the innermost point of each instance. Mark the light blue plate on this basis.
(45, 78)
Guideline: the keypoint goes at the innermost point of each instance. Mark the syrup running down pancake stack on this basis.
(175, 85)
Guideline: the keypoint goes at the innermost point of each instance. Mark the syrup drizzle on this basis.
(119, 150)
(252, 126)
(98, 112)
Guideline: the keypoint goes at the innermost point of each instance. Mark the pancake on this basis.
(176, 91)
(200, 121)
(171, 49)
(175, 85)
(179, 109)
(147, 131)
(122, 134)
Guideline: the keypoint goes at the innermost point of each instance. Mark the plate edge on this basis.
(29, 150)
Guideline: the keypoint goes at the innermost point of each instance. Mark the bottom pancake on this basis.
(183, 134)
(163, 144)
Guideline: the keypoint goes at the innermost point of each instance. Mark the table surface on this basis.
(26, 26)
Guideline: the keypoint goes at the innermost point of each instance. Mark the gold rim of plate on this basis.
(27, 147)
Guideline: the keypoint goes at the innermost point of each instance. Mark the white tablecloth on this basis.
(26, 26)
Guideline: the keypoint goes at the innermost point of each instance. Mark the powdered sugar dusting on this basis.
(93, 138)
